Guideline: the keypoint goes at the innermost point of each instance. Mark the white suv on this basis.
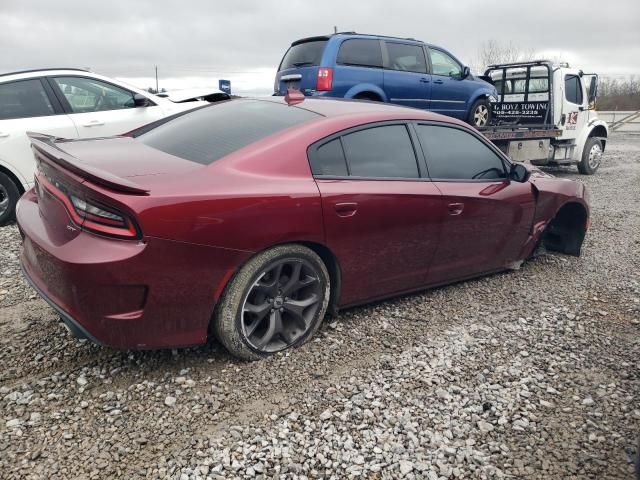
(70, 103)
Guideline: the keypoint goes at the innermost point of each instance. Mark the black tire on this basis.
(9, 195)
(591, 156)
(480, 113)
(371, 97)
(243, 335)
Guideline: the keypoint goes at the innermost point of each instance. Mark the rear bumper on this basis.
(124, 294)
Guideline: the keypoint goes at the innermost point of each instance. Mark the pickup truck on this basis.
(545, 114)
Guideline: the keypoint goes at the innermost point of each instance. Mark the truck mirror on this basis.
(593, 90)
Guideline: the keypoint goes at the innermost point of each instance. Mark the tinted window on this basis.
(456, 154)
(381, 152)
(366, 53)
(24, 99)
(408, 58)
(90, 95)
(210, 133)
(303, 55)
(573, 89)
(443, 64)
(328, 159)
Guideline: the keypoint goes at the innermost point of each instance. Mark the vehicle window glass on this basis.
(573, 89)
(365, 53)
(305, 54)
(328, 159)
(24, 99)
(408, 58)
(90, 95)
(209, 133)
(455, 154)
(381, 152)
(443, 64)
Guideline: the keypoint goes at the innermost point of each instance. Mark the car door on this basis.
(574, 106)
(102, 109)
(381, 216)
(449, 91)
(406, 81)
(27, 105)
(488, 218)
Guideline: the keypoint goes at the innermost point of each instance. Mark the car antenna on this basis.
(293, 96)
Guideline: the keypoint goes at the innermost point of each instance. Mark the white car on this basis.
(71, 103)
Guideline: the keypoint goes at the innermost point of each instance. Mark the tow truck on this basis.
(545, 114)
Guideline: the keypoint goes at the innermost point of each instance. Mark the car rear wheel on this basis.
(480, 114)
(9, 195)
(277, 300)
(591, 156)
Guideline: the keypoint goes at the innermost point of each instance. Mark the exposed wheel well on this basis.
(331, 262)
(601, 132)
(374, 97)
(565, 233)
(13, 178)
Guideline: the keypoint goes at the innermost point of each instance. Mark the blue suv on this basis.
(387, 69)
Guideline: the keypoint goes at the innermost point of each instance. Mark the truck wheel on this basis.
(277, 300)
(480, 114)
(591, 156)
(9, 195)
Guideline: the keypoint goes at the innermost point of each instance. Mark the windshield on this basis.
(305, 54)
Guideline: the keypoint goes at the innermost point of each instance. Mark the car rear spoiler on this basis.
(46, 147)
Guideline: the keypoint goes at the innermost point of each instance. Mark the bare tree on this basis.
(493, 51)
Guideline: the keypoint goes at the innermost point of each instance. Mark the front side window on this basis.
(360, 52)
(407, 58)
(90, 95)
(381, 152)
(24, 99)
(573, 89)
(454, 154)
(443, 64)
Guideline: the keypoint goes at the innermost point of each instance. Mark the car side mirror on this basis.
(518, 173)
(140, 100)
(593, 90)
(466, 71)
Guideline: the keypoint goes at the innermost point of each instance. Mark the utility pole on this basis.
(335, 29)
(157, 91)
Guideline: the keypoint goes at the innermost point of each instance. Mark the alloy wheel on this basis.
(280, 306)
(4, 199)
(481, 115)
(595, 156)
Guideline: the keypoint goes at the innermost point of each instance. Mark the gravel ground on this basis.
(527, 374)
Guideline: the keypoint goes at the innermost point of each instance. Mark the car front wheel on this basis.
(480, 114)
(9, 195)
(277, 300)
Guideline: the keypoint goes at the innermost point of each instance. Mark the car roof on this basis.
(360, 35)
(36, 72)
(340, 107)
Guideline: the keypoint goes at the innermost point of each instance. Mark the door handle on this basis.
(93, 123)
(346, 209)
(456, 208)
(424, 80)
(4, 135)
(439, 82)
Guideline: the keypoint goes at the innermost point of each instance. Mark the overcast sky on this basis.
(196, 42)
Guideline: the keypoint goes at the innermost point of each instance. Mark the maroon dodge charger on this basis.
(249, 219)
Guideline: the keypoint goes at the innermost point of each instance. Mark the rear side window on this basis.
(305, 54)
(208, 134)
(454, 154)
(407, 58)
(24, 99)
(573, 89)
(328, 159)
(384, 151)
(360, 52)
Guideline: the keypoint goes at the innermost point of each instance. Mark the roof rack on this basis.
(374, 35)
(43, 70)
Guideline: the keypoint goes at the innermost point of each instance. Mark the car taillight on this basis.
(90, 215)
(325, 79)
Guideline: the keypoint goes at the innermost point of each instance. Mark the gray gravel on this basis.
(527, 374)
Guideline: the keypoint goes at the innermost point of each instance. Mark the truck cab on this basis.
(545, 113)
